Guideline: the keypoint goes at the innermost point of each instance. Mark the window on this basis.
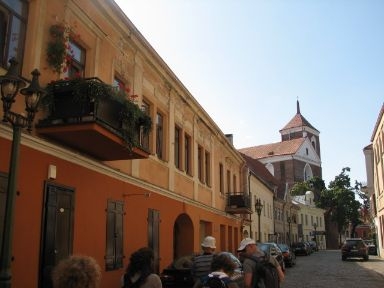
(76, 65)
(221, 178)
(159, 136)
(177, 147)
(200, 163)
(187, 154)
(13, 14)
(114, 250)
(119, 85)
(228, 181)
(207, 168)
(234, 183)
(144, 138)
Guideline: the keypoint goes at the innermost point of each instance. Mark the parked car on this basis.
(372, 249)
(179, 273)
(300, 248)
(354, 248)
(288, 255)
(271, 248)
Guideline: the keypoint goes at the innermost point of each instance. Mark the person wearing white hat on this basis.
(202, 263)
(248, 250)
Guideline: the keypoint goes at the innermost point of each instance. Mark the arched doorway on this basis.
(182, 236)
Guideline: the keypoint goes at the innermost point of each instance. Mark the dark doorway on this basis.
(57, 235)
(182, 236)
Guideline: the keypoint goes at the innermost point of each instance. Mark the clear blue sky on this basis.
(248, 61)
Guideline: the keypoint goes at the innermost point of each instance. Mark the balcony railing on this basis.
(238, 203)
(87, 115)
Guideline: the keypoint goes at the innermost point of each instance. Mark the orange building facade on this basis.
(78, 193)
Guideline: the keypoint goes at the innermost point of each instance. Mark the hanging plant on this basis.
(82, 90)
(59, 52)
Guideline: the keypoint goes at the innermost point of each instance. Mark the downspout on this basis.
(250, 200)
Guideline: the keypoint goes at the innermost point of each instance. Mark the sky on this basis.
(247, 62)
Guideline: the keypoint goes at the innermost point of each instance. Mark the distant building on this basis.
(295, 159)
(311, 221)
(374, 159)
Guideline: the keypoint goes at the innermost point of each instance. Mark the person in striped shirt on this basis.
(202, 263)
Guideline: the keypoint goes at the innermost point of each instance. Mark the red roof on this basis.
(258, 169)
(298, 121)
(288, 147)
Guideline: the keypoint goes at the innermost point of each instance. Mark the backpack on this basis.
(215, 282)
(266, 273)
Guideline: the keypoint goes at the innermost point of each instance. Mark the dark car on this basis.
(354, 248)
(300, 248)
(372, 250)
(289, 256)
(271, 248)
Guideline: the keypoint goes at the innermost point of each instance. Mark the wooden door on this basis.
(57, 233)
(154, 235)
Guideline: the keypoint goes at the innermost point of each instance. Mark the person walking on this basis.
(139, 272)
(76, 272)
(222, 268)
(248, 251)
(201, 266)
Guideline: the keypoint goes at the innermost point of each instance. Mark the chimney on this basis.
(229, 138)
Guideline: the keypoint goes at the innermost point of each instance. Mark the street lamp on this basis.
(258, 208)
(314, 227)
(11, 83)
(289, 230)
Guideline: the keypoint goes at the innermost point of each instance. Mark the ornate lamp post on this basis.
(10, 85)
(289, 230)
(315, 227)
(258, 208)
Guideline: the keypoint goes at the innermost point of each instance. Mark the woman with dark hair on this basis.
(139, 273)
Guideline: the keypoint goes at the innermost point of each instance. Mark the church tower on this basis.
(299, 127)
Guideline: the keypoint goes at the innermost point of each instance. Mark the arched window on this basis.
(314, 142)
(270, 168)
(307, 172)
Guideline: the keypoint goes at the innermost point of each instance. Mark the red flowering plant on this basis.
(59, 51)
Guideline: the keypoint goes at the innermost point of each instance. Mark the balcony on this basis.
(238, 203)
(87, 115)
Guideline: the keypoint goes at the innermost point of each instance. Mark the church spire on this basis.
(298, 107)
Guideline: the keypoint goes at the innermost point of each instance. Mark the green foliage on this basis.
(84, 90)
(300, 188)
(339, 201)
(315, 184)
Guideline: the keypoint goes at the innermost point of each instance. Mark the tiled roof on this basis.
(260, 171)
(288, 147)
(298, 121)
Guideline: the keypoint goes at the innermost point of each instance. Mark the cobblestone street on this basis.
(326, 269)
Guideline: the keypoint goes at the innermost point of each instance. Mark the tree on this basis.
(315, 184)
(340, 203)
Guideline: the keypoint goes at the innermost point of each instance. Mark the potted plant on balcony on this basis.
(91, 97)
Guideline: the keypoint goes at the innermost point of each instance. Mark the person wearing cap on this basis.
(202, 263)
(248, 249)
